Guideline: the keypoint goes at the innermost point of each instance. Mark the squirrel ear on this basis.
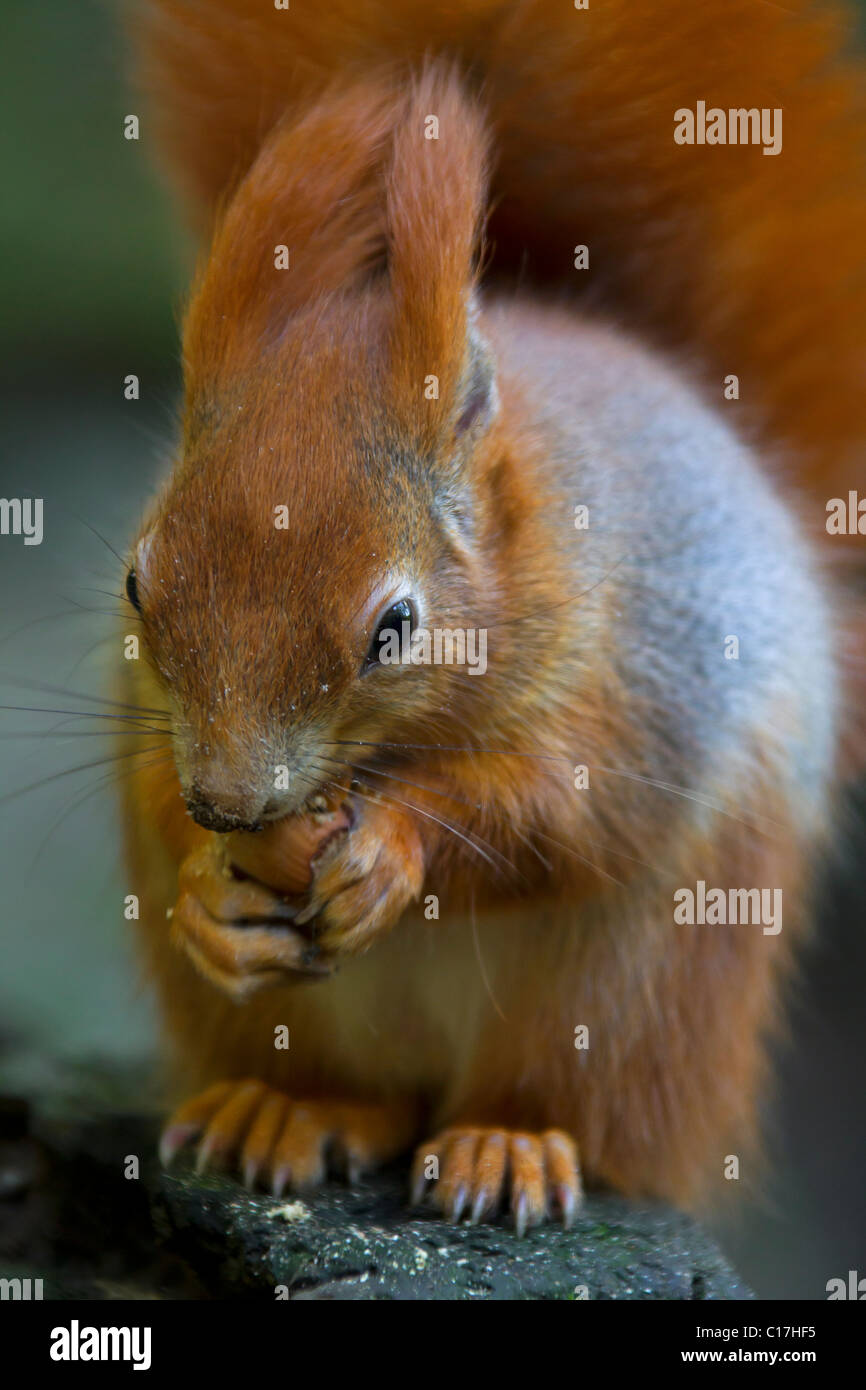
(436, 195)
(307, 220)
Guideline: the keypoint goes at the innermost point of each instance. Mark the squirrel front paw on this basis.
(237, 933)
(363, 881)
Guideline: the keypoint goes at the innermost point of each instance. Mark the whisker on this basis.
(107, 593)
(569, 849)
(450, 748)
(100, 537)
(317, 785)
(419, 786)
(57, 732)
(100, 642)
(34, 622)
(534, 848)
(481, 967)
(671, 787)
(135, 720)
(79, 695)
(449, 796)
(690, 795)
(572, 598)
(446, 825)
(403, 782)
(67, 772)
(620, 854)
(107, 612)
(526, 839)
(78, 799)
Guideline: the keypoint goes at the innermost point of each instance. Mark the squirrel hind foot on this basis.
(475, 1170)
(254, 1131)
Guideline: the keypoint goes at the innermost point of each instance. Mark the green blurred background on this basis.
(93, 264)
(91, 259)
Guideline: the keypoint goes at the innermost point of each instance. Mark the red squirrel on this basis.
(455, 361)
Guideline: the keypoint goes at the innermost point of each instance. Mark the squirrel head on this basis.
(340, 427)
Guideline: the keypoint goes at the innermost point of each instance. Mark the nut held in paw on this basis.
(281, 855)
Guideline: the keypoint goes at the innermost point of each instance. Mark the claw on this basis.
(419, 1189)
(461, 1197)
(279, 1181)
(173, 1140)
(479, 1206)
(307, 914)
(568, 1202)
(204, 1156)
(521, 1214)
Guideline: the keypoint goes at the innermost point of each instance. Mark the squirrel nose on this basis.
(210, 814)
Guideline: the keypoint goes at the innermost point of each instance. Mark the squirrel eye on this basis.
(390, 623)
(132, 590)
